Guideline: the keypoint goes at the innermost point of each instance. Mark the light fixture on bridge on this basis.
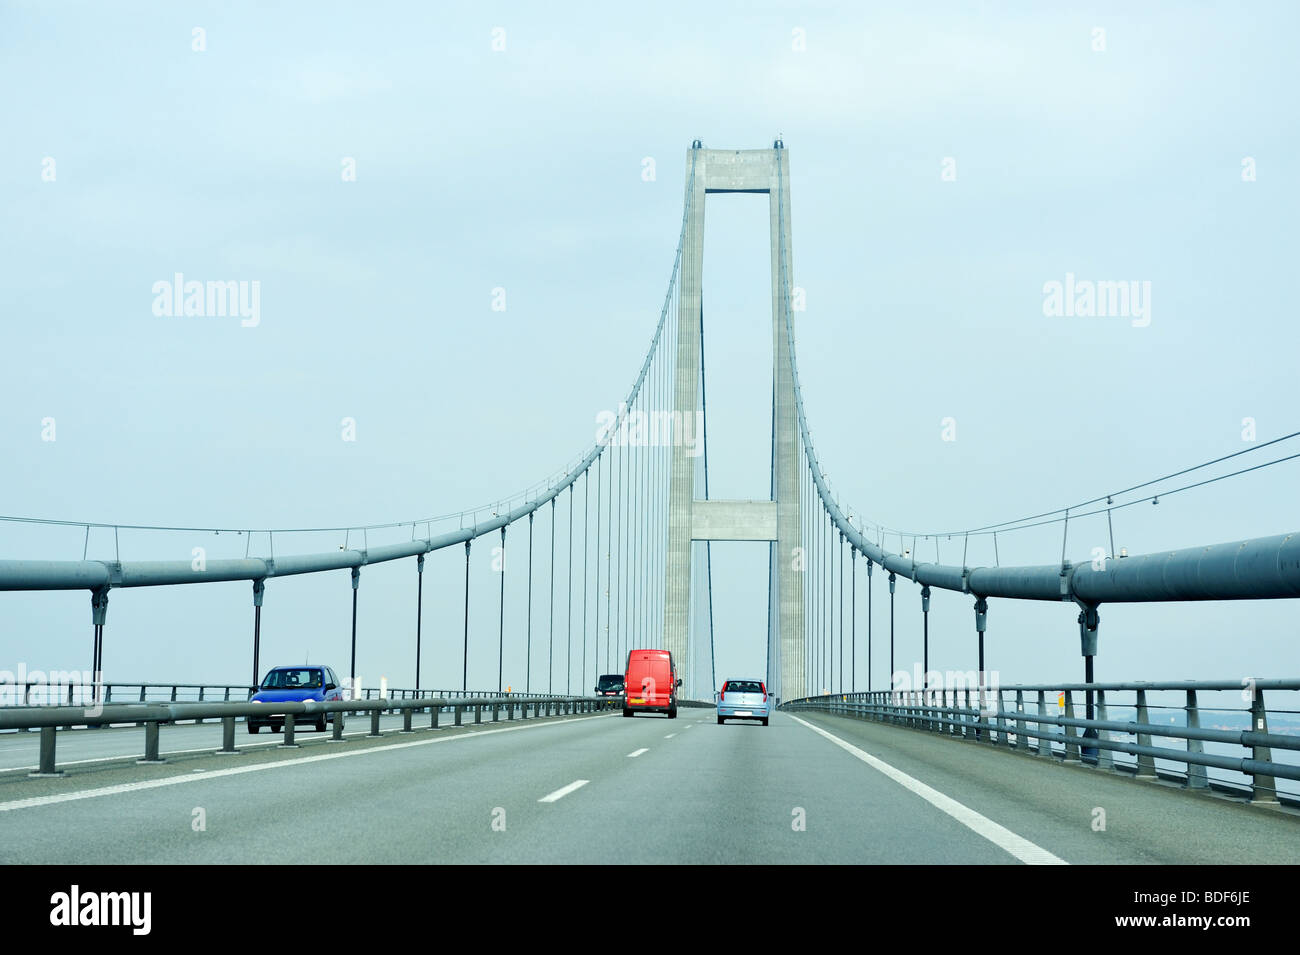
(1123, 552)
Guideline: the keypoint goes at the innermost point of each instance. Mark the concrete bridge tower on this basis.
(777, 520)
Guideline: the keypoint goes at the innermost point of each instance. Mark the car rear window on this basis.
(742, 686)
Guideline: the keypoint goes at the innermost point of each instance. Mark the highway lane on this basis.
(646, 790)
(1057, 805)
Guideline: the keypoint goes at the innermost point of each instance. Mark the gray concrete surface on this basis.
(694, 792)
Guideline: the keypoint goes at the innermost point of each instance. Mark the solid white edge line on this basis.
(564, 790)
(1002, 837)
(36, 801)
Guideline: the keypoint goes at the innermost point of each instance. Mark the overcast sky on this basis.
(945, 167)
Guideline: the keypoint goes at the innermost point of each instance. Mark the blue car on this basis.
(744, 700)
(296, 685)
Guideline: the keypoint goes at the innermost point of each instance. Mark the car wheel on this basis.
(672, 713)
(765, 721)
(720, 721)
(626, 711)
(277, 727)
(254, 727)
(320, 725)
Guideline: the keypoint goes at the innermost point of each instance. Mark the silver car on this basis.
(744, 700)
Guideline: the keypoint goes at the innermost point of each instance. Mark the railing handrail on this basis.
(1285, 683)
(34, 717)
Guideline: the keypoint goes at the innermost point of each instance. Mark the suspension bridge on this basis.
(626, 532)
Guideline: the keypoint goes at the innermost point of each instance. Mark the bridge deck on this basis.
(693, 792)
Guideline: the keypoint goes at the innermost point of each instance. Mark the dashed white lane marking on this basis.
(638, 752)
(565, 790)
(1000, 836)
(670, 736)
(36, 801)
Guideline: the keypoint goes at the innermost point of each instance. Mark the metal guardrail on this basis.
(152, 715)
(44, 693)
(1000, 718)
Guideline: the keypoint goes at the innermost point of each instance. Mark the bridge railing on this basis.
(48, 693)
(1191, 732)
(49, 719)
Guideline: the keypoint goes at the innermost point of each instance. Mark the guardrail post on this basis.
(966, 729)
(1105, 755)
(1263, 790)
(290, 727)
(199, 719)
(457, 711)
(151, 744)
(47, 767)
(433, 716)
(406, 719)
(1022, 741)
(374, 722)
(1146, 765)
(478, 714)
(227, 737)
(1000, 734)
(1071, 732)
(1044, 741)
(1196, 776)
(336, 727)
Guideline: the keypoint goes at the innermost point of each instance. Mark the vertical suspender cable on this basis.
(595, 650)
(528, 665)
(464, 681)
(550, 650)
(419, 614)
(568, 585)
(618, 530)
(586, 539)
(501, 624)
(609, 536)
(708, 545)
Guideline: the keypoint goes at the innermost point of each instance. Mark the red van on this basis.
(650, 684)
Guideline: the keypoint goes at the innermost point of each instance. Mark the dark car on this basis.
(610, 684)
(296, 684)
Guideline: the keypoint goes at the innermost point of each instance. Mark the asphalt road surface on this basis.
(600, 788)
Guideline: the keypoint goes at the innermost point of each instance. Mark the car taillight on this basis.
(764, 686)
